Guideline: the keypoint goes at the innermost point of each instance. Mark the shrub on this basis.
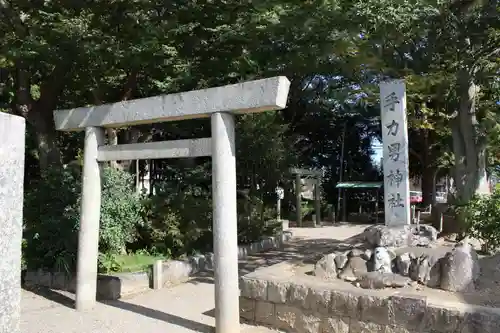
(177, 221)
(306, 210)
(108, 263)
(482, 219)
(51, 220)
(121, 211)
(52, 213)
(253, 220)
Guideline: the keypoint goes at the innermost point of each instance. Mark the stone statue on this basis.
(382, 261)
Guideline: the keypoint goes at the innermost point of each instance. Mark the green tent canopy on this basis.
(360, 185)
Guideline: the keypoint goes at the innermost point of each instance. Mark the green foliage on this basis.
(482, 216)
(444, 50)
(178, 219)
(51, 219)
(120, 211)
(307, 207)
(262, 155)
(108, 263)
(65, 54)
(52, 212)
(254, 220)
(131, 262)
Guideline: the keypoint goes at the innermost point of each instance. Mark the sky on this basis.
(377, 151)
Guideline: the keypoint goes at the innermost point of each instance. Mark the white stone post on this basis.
(158, 274)
(12, 132)
(317, 201)
(298, 200)
(280, 194)
(278, 209)
(227, 317)
(395, 142)
(88, 237)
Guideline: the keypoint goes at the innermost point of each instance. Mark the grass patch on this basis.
(128, 263)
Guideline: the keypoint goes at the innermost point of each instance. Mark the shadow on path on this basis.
(53, 296)
(138, 309)
(163, 316)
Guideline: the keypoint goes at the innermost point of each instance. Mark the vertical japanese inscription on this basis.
(395, 200)
(390, 101)
(395, 143)
(394, 151)
(395, 178)
(393, 128)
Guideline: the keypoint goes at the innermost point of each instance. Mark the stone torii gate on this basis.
(220, 104)
(316, 175)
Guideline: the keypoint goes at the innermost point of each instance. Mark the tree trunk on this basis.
(112, 135)
(49, 153)
(428, 185)
(469, 148)
(39, 114)
(427, 171)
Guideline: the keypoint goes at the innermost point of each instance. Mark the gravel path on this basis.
(184, 308)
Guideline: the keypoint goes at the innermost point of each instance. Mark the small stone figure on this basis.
(382, 261)
(341, 260)
(354, 270)
(325, 268)
(403, 263)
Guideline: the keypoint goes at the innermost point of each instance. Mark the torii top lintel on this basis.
(246, 97)
(306, 172)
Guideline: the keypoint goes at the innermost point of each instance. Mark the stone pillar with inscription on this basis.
(395, 143)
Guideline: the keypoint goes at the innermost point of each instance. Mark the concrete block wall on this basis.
(109, 286)
(295, 307)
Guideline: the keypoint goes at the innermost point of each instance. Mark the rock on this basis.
(355, 253)
(354, 270)
(341, 260)
(367, 255)
(426, 270)
(392, 254)
(376, 280)
(325, 268)
(382, 261)
(434, 276)
(400, 236)
(423, 235)
(452, 237)
(403, 262)
(460, 268)
(381, 235)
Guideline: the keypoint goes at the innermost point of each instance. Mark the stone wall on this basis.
(178, 271)
(172, 272)
(12, 131)
(109, 286)
(309, 307)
